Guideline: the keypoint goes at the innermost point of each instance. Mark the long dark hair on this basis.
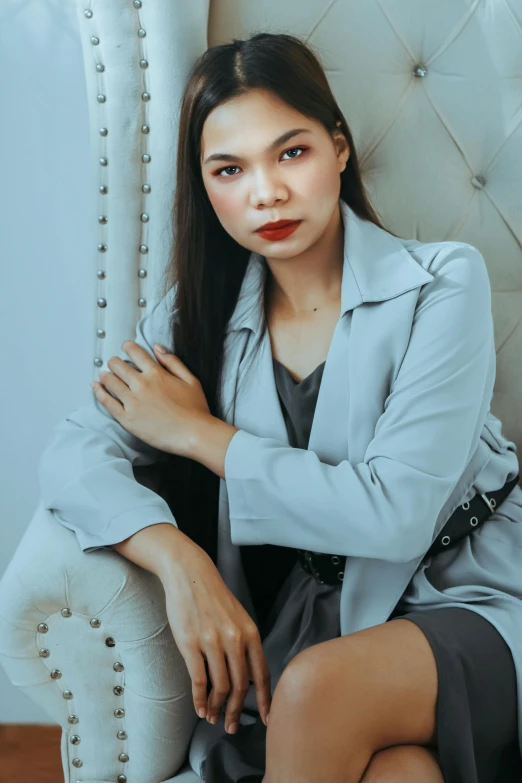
(207, 265)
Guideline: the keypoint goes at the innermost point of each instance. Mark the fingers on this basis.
(238, 672)
(196, 669)
(261, 676)
(219, 678)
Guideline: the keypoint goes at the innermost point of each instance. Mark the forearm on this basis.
(157, 547)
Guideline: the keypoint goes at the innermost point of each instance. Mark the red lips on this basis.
(279, 230)
(277, 224)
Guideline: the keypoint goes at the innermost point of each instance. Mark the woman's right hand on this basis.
(209, 624)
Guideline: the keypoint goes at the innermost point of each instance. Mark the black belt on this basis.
(329, 569)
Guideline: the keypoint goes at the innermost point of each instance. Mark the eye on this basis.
(227, 168)
(292, 149)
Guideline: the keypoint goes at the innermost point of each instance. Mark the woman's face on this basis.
(296, 180)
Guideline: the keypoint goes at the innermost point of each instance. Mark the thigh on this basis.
(379, 684)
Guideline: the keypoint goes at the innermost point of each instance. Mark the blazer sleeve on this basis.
(86, 475)
(385, 507)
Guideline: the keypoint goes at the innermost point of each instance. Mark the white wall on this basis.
(48, 244)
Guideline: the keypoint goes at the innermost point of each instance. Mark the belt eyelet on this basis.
(465, 505)
(474, 523)
(445, 540)
(340, 576)
(335, 559)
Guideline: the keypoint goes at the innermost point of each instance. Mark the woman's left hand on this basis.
(162, 405)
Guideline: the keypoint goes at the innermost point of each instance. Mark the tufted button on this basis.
(445, 540)
(56, 674)
(100, 67)
(118, 690)
(66, 612)
(104, 189)
(121, 779)
(73, 719)
(101, 272)
(101, 98)
(145, 129)
(144, 249)
(88, 13)
(67, 695)
(142, 302)
(75, 739)
(119, 713)
(118, 666)
(145, 96)
(109, 641)
(142, 33)
(101, 303)
(103, 131)
(142, 273)
(137, 4)
(102, 219)
(104, 161)
(144, 217)
(122, 735)
(419, 71)
(98, 361)
(144, 64)
(95, 622)
(123, 757)
(100, 333)
(44, 653)
(146, 158)
(42, 628)
(77, 763)
(95, 41)
(478, 182)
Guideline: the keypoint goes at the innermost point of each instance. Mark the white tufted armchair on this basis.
(432, 97)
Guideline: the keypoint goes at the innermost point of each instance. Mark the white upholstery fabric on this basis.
(49, 573)
(441, 155)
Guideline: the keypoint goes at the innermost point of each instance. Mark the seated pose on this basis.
(338, 530)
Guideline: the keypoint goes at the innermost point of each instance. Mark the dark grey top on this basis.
(298, 399)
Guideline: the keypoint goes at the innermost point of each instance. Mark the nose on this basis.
(267, 191)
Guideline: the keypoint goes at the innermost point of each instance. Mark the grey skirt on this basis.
(477, 732)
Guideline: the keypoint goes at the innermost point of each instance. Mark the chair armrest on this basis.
(86, 636)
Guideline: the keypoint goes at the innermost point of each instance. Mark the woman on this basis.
(431, 696)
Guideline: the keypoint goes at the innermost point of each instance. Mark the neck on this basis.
(311, 281)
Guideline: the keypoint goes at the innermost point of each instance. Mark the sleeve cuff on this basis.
(125, 525)
(242, 465)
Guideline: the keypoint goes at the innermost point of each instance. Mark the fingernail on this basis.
(214, 719)
(267, 716)
(232, 728)
(202, 712)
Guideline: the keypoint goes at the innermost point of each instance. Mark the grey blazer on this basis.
(402, 434)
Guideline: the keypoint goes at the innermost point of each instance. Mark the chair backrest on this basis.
(430, 92)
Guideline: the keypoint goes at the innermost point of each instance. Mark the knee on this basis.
(404, 764)
(300, 683)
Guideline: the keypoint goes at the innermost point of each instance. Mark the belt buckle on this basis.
(491, 504)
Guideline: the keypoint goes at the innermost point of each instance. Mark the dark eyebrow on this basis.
(271, 147)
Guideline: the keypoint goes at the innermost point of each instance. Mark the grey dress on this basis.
(477, 708)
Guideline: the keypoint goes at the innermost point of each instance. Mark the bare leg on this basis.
(339, 703)
(404, 764)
